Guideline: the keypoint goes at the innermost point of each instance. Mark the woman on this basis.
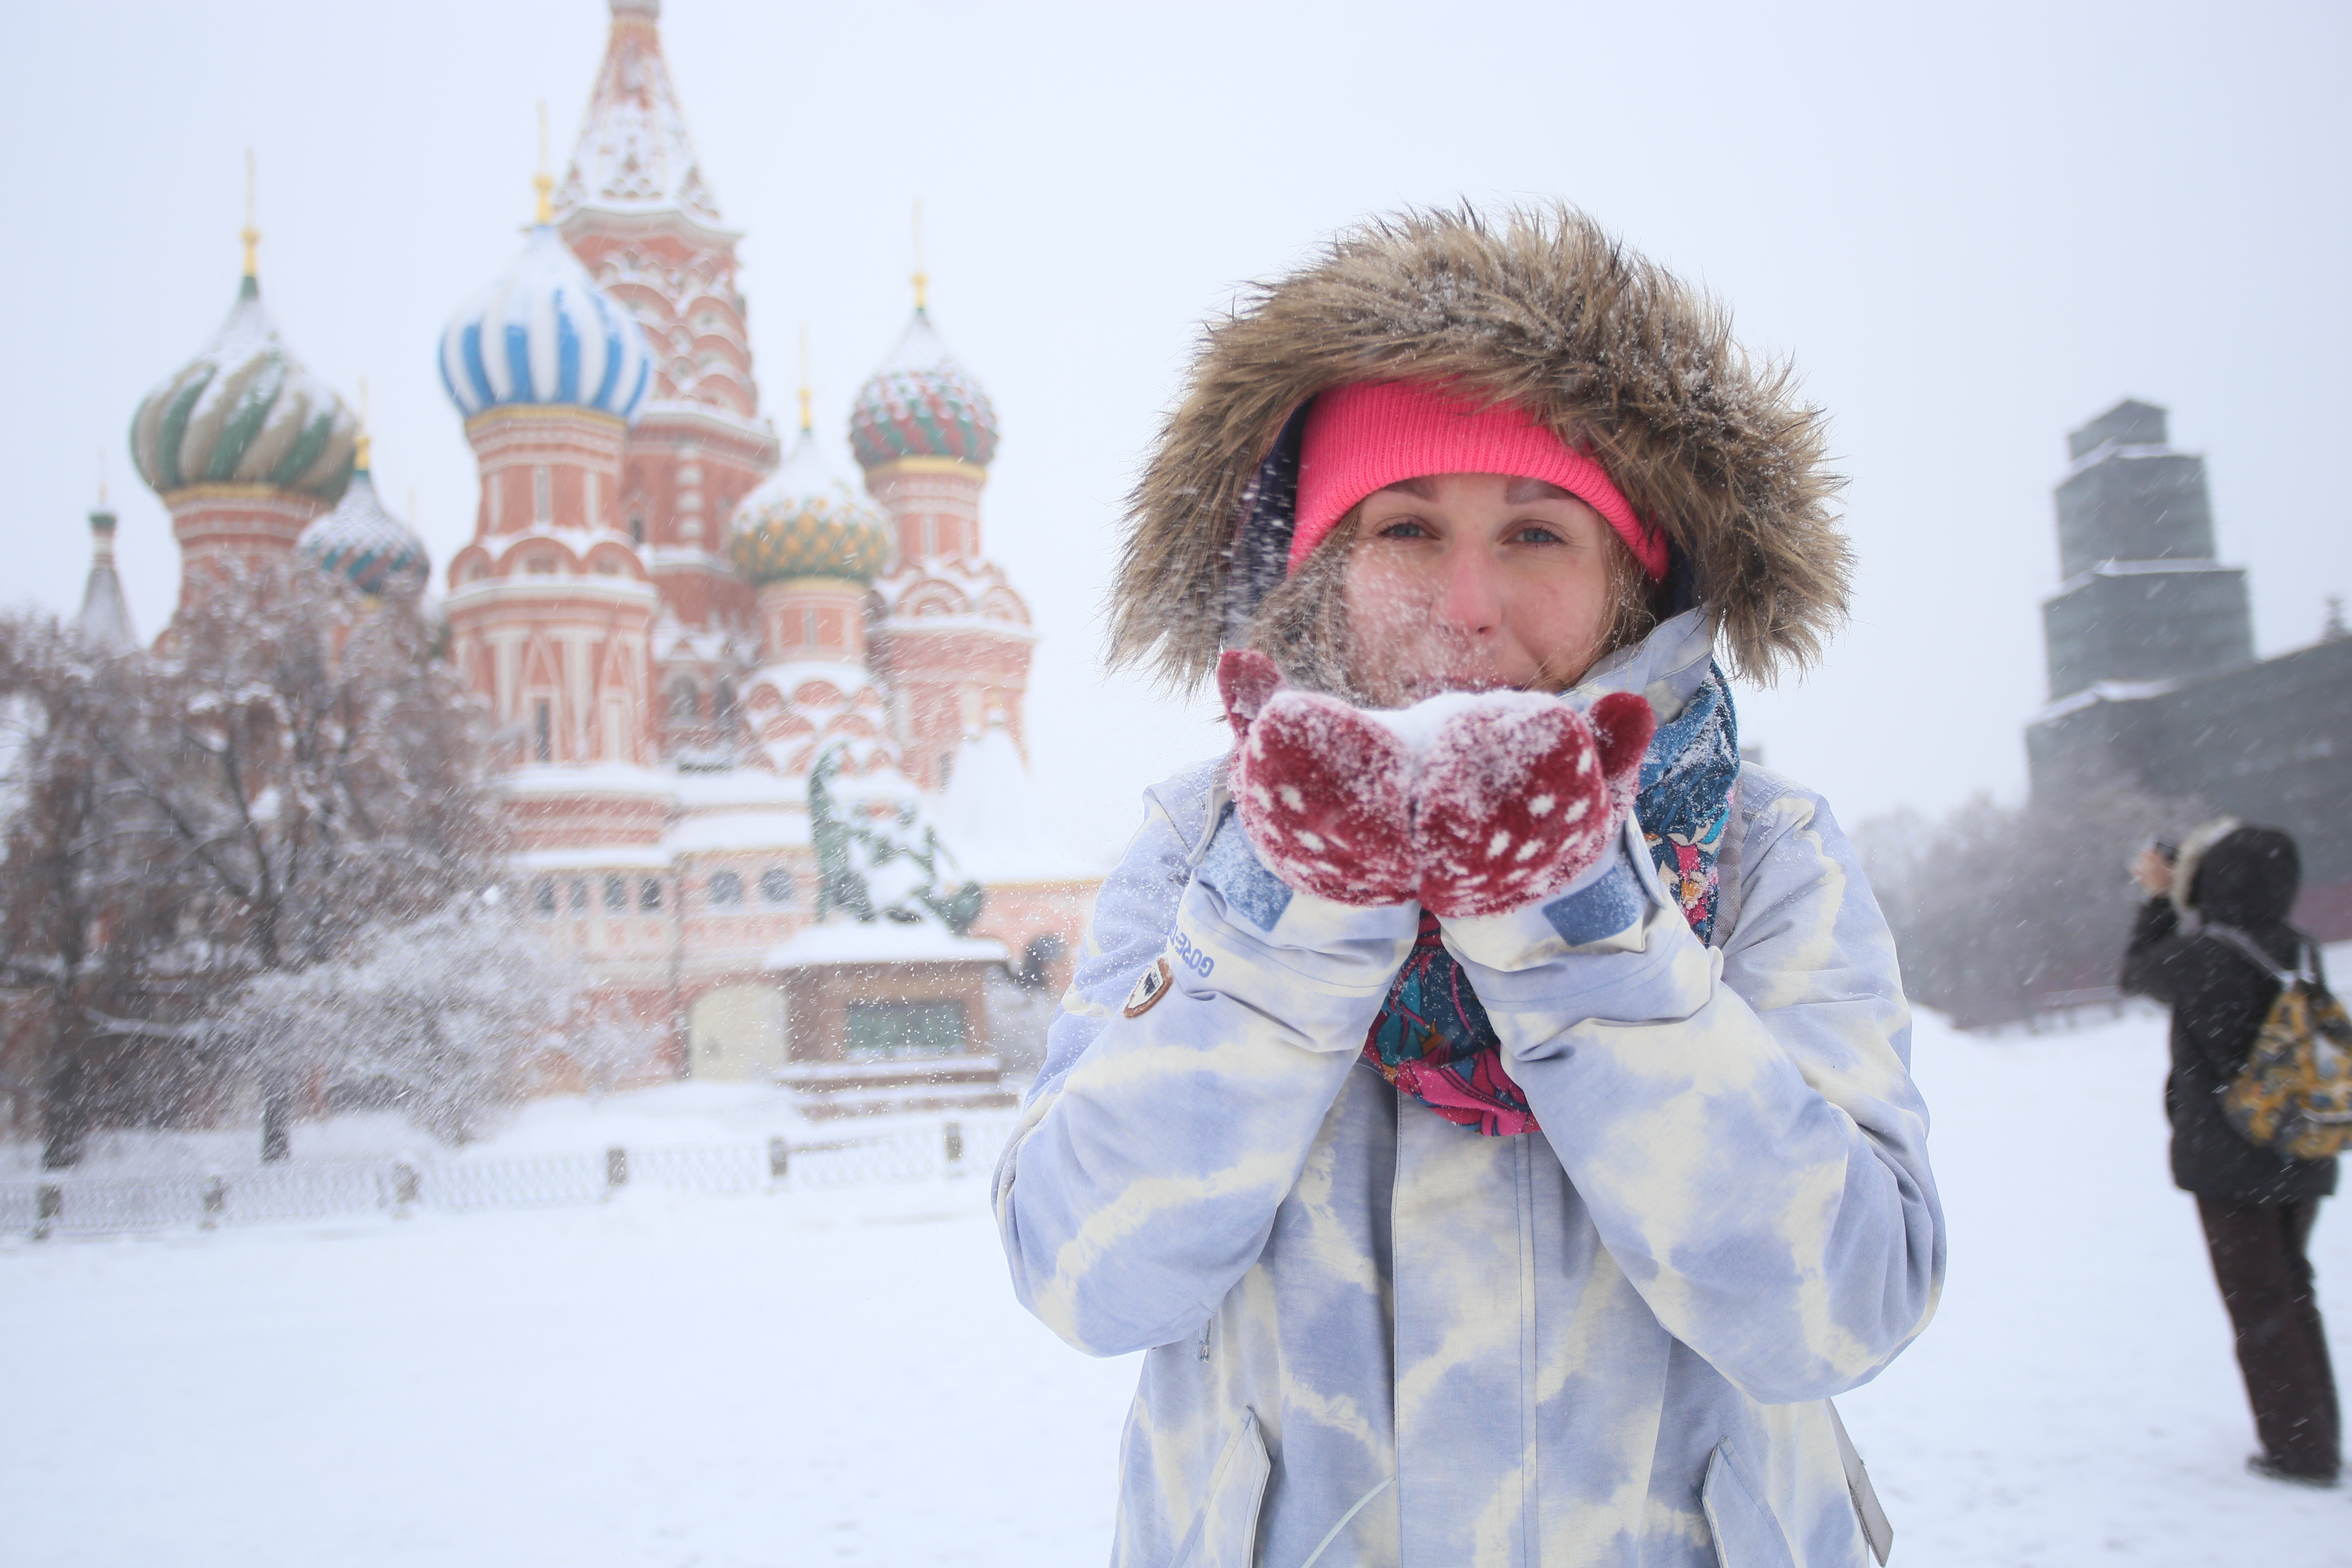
(2256, 1206)
(1468, 1226)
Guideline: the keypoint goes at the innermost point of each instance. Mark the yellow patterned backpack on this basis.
(2293, 1095)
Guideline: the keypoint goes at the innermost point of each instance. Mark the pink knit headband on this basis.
(1368, 435)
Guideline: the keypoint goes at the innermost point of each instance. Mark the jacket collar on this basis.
(1667, 667)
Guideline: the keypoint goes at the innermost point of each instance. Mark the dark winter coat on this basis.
(2248, 878)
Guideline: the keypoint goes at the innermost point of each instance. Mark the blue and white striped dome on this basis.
(545, 334)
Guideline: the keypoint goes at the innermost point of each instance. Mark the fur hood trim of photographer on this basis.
(1539, 309)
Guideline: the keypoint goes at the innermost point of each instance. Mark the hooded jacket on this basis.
(1542, 309)
(1374, 1334)
(2245, 877)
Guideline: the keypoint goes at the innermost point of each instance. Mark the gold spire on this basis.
(365, 445)
(251, 234)
(922, 278)
(544, 182)
(808, 422)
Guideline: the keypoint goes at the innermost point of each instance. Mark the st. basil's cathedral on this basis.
(676, 617)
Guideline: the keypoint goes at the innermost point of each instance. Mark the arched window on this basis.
(776, 886)
(616, 894)
(685, 699)
(649, 893)
(542, 896)
(580, 896)
(722, 702)
(726, 888)
(637, 528)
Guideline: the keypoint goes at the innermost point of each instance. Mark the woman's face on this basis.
(1473, 582)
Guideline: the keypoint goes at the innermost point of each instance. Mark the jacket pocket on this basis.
(1747, 1535)
(1224, 1535)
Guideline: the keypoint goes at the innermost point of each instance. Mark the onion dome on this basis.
(243, 412)
(545, 334)
(921, 403)
(363, 544)
(804, 522)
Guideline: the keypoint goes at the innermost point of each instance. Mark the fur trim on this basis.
(1535, 307)
(2192, 850)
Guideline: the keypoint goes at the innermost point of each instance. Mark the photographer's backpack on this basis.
(2293, 1095)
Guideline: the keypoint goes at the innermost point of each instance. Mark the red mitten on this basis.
(1324, 792)
(1520, 795)
(1248, 681)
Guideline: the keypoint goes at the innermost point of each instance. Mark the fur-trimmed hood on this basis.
(1540, 307)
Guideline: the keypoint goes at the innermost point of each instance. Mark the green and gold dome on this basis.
(245, 411)
(804, 522)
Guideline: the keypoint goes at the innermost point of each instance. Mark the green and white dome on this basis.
(245, 411)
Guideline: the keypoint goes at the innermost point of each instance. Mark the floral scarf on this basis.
(1432, 1038)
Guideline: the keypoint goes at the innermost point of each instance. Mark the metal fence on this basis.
(69, 1204)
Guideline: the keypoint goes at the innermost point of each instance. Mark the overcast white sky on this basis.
(1972, 228)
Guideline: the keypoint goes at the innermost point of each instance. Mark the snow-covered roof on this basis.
(719, 832)
(634, 154)
(756, 788)
(993, 820)
(589, 778)
(881, 941)
(593, 857)
(2103, 691)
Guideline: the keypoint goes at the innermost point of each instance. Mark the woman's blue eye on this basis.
(1411, 528)
(1536, 533)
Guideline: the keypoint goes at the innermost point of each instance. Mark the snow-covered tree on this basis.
(1998, 911)
(438, 1016)
(87, 912)
(292, 764)
(890, 868)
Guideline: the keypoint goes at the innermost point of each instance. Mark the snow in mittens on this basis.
(1470, 803)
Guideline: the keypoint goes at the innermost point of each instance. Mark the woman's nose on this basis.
(1471, 600)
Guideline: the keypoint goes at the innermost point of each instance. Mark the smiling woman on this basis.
(1485, 1098)
(1460, 582)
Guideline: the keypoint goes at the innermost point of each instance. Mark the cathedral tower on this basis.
(550, 607)
(634, 207)
(955, 639)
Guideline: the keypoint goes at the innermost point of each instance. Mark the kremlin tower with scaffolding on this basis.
(737, 703)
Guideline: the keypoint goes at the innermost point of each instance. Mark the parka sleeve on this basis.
(2153, 957)
(1142, 1182)
(1741, 1124)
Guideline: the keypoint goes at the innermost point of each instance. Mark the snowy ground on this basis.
(758, 1382)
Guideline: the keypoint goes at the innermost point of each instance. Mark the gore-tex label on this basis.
(1192, 958)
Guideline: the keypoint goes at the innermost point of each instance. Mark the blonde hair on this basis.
(1303, 624)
